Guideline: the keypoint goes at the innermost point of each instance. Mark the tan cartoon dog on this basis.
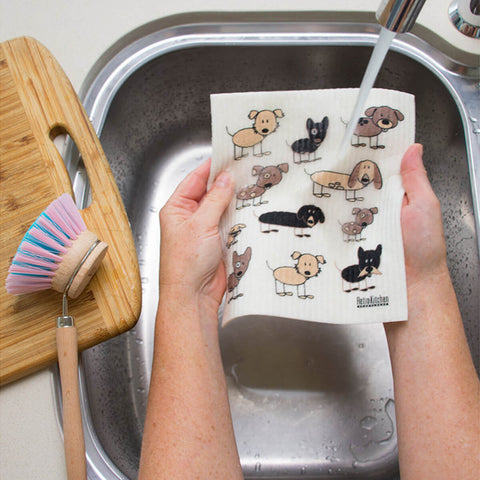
(307, 266)
(363, 174)
(265, 123)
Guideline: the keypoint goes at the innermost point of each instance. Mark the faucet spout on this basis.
(399, 16)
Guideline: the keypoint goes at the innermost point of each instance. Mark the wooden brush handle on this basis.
(74, 441)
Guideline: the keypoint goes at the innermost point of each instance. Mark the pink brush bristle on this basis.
(39, 253)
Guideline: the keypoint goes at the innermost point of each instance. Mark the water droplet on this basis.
(139, 341)
(368, 422)
(303, 471)
(258, 467)
(361, 345)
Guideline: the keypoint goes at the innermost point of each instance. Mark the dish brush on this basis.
(59, 253)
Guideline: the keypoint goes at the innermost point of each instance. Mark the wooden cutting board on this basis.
(37, 102)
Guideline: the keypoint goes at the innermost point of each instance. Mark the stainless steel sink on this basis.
(308, 400)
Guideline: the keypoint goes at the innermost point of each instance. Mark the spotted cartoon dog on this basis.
(267, 178)
(377, 120)
(352, 231)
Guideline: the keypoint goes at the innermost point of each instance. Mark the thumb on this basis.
(216, 200)
(414, 176)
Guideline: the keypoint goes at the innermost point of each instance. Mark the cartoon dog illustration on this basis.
(363, 174)
(265, 123)
(267, 178)
(306, 217)
(368, 263)
(307, 266)
(353, 230)
(377, 120)
(233, 233)
(307, 146)
(240, 266)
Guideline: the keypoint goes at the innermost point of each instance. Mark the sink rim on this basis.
(462, 82)
(111, 77)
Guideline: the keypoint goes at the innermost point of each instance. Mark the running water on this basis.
(379, 52)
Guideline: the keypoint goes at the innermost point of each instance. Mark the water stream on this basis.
(382, 46)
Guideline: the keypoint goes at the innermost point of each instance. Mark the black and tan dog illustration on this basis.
(352, 231)
(265, 123)
(356, 276)
(240, 266)
(233, 233)
(305, 218)
(267, 178)
(307, 266)
(363, 174)
(377, 120)
(304, 147)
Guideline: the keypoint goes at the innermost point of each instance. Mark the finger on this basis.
(192, 188)
(216, 200)
(414, 176)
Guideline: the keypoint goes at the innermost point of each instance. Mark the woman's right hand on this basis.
(421, 217)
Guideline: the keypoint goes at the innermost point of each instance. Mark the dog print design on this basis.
(363, 174)
(368, 263)
(306, 217)
(308, 146)
(265, 123)
(377, 120)
(267, 178)
(233, 233)
(352, 231)
(307, 266)
(240, 266)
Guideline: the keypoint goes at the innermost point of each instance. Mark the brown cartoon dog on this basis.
(307, 266)
(265, 123)
(363, 174)
(240, 265)
(377, 120)
(352, 231)
(267, 178)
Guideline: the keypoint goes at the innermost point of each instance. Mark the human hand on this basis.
(190, 251)
(421, 218)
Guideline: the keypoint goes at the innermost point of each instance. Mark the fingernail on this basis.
(223, 180)
(418, 149)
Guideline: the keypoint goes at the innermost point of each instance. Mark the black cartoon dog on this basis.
(307, 217)
(368, 263)
(316, 135)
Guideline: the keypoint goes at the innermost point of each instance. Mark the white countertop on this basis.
(78, 33)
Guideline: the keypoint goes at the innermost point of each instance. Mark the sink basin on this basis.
(308, 400)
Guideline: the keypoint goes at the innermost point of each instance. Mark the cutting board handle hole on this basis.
(73, 161)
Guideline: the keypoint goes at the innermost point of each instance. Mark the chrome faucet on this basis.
(465, 15)
(399, 15)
